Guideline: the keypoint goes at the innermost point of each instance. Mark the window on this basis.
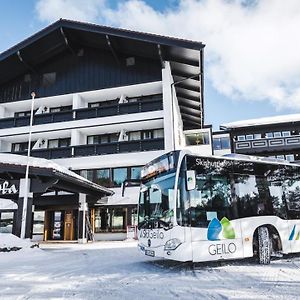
(201, 138)
(249, 137)
(241, 138)
(292, 192)
(59, 143)
(22, 114)
(103, 139)
(38, 222)
(134, 216)
(147, 134)
(257, 136)
(225, 143)
(92, 105)
(280, 157)
(135, 172)
(269, 135)
(6, 222)
(20, 147)
(61, 108)
(221, 143)
(103, 177)
(114, 137)
(277, 134)
(88, 174)
(48, 79)
(290, 157)
(118, 219)
(119, 175)
(53, 144)
(91, 140)
(158, 133)
(217, 144)
(102, 220)
(134, 136)
(286, 133)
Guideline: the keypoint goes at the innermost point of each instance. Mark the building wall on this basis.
(89, 69)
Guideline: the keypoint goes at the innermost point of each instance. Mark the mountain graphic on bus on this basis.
(215, 227)
(293, 232)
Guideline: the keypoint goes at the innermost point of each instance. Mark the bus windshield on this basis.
(156, 204)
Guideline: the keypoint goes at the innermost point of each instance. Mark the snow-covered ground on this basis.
(115, 270)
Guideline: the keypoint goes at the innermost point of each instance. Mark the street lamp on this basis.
(23, 228)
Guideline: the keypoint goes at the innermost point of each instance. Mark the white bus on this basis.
(195, 208)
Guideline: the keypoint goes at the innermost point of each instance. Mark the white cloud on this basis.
(252, 52)
(81, 10)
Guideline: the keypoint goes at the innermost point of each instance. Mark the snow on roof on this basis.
(262, 121)
(131, 197)
(20, 160)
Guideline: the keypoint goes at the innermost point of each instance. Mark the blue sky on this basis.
(236, 87)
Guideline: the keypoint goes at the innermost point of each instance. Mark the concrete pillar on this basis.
(24, 211)
(168, 103)
(83, 210)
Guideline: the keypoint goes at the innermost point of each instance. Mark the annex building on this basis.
(276, 137)
(107, 102)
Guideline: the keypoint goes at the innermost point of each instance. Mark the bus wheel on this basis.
(264, 246)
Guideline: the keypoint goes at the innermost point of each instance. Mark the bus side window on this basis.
(292, 195)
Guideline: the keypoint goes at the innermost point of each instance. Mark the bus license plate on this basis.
(150, 253)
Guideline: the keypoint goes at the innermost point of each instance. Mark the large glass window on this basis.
(119, 219)
(6, 222)
(119, 175)
(136, 172)
(38, 222)
(88, 174)
(102, 219)
(103, 177)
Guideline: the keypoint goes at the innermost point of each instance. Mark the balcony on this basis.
(267, 145)
(119, 147)
(98, 149)
(54, 153)
(152, 104)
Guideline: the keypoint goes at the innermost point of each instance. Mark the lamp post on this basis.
(25, 202)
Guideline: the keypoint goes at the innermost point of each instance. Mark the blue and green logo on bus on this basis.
(215, 227)
(293, 233)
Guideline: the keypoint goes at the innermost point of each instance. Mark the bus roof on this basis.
(243, 157)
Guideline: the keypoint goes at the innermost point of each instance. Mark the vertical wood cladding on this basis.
(95, 69)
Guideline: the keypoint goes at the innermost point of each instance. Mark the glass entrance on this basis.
(61, 225)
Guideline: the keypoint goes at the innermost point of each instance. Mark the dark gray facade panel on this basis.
(96, 69)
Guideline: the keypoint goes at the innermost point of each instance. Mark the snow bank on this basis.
(10, 242)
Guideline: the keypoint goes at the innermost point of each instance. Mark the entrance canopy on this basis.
(45, 176)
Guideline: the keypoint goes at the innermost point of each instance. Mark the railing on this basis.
(98, 149)
(267, 144)
(85, 113)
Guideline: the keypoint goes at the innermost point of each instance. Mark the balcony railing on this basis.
(268, 144)
(98, 149)
(152, 104)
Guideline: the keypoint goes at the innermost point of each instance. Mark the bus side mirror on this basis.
(190, 178)
(132, 182)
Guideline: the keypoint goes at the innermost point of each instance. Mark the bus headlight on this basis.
(172, 244)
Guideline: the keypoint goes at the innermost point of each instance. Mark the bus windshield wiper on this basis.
(152, 221)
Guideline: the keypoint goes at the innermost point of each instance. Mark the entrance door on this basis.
(69, 226)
